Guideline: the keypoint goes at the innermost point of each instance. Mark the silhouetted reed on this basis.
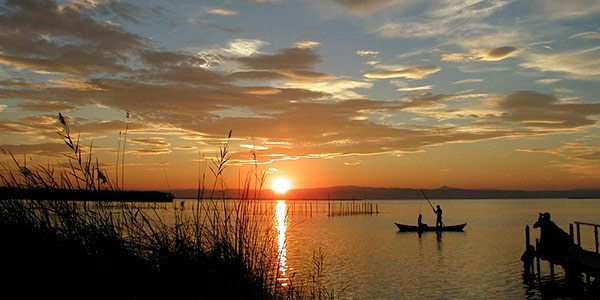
(81, 171)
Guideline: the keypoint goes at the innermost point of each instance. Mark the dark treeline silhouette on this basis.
(84, 195)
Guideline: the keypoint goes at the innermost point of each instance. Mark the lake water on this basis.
(367, 254)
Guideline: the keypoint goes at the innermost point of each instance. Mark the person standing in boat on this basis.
(438, 221)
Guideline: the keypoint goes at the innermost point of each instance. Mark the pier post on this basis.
(578, 235)
(596, 237)
(571, 233)
(537, 258)
(527, 244)
(527, 237)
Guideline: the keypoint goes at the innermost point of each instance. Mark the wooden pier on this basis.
(575, 262)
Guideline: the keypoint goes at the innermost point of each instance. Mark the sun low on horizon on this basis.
(281, 185)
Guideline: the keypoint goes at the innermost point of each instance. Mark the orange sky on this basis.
(382, 93)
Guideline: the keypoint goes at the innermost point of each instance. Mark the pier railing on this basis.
(578, 226)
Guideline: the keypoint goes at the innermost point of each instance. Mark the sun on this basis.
(281, 185)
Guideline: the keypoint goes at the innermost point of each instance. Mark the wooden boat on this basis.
(458, 227)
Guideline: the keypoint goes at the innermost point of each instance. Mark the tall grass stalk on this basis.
(123, 152)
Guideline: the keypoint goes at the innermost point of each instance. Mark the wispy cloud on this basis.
(244, 47)
(415, 88)
(492, 54)
(410, 72)
(469, 80)
(586, 35)
(367, 7)
(285, 59)
(222, 12)
(151, 141)
(367, 52)
(305, 44)
(547, 81)
(582, 64)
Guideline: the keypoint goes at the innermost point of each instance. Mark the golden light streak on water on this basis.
(281, 224)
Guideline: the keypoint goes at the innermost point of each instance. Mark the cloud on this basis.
(366, 7)
(47, 106)
(233, 30)
(253, 147)
(285, 59)
(582, 64)
(429, 100)
(44, 149)
(151, 141)
(586, 35)
(152, 151)
(256, 75)
(222, 12)
(415, 88)
(305, 44)
(244, 47)
(491, 54)
(453, 21)
(562, 10)
(367, 52)
(595, 155)
(469, 80)
(412, 72)
(337, 89)
(580, 156)
(75, 62)
(261, 90)
(123, 10)
(535, 109)
(410, 30)
(166, 58)
(43, 36)
(306, 75)
(547, 81)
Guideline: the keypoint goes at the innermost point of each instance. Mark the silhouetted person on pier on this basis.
(420, 222)
(552, 237)
(438, 221)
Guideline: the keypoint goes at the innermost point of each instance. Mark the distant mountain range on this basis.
(356, 192)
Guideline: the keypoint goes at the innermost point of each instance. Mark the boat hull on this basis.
(403, 227)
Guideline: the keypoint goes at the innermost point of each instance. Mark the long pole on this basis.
(427, 200)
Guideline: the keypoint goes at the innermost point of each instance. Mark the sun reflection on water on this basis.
(281, 223)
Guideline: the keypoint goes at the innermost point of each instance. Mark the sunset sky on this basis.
(384, 93)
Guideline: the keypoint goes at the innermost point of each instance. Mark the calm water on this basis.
(375, 261)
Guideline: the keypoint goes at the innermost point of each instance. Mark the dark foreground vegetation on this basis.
(73, 250)
(64, 249)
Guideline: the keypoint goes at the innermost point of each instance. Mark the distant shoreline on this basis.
(361, 193)
(340, 193)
